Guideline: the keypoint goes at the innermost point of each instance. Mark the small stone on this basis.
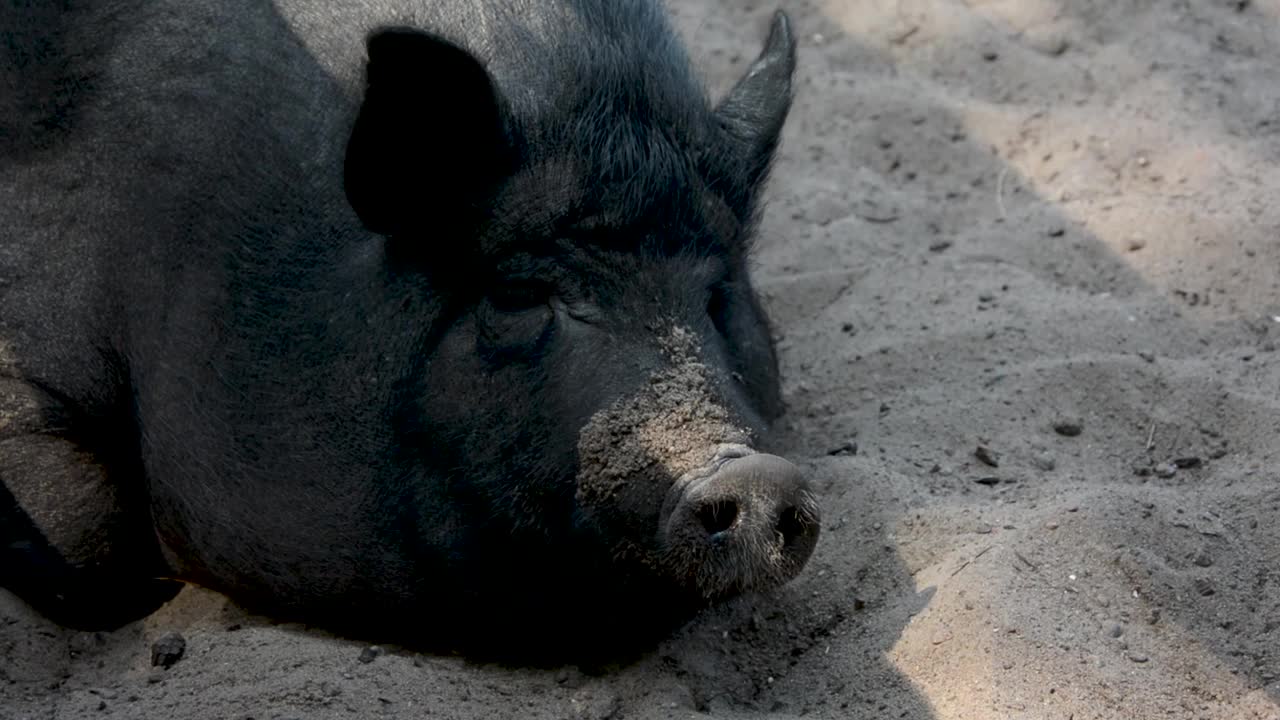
(1204, 586)
(988, 480)
(168, 650)
(939, 245)
(1203, 559)
(1138, 657)
(1186, 463)
(1166, 470)
(849, 448)
(1147, 355)
(1136, 244)
(371, 653)
(847, 328)
(990, 55)
(1047, 40)
(1068, 426)
(1115, 631)
(987, 456)
(1043, 462)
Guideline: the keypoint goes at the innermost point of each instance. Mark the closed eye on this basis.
(519, 295)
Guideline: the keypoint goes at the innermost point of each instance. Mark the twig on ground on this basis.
(1000, 192)
(966, 563)
(1030, 564)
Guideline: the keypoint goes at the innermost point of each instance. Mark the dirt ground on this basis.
(1023, 255)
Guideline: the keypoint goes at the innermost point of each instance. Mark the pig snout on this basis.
(749, 522)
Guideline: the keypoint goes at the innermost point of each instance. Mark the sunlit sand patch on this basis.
(1132, 172)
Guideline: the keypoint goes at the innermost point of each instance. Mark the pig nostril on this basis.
(718, 516)
(790, 526)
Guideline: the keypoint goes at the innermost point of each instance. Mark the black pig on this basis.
(402, 316)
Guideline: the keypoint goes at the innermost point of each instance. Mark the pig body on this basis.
(377, 313)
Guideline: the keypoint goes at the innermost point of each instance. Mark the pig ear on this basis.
(431, 140)
(754, 111)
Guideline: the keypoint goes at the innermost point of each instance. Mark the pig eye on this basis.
(515, 320)
(514, 296)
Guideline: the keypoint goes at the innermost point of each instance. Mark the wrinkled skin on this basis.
(382, 313)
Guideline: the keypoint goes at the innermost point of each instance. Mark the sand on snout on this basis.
(990, 221)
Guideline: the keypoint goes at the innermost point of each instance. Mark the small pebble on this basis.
(371, 653)
(1138, 657)
(1186, 463)
(1068, 426)
(1166, 470)
(847, 449)
(1147, 355)
(168, 650)
(1203, 559)
(1136, 244)
(1044, 462)
(1204, 586)
(987, 456)
(1115, 630)
(1047, 40)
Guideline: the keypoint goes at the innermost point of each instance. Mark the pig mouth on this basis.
(744, 521)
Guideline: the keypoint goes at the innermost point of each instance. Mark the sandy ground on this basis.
(1044, 228)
